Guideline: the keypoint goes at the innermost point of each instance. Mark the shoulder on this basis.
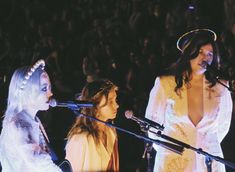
(167, 78)
(165, 81)
(220, 87)
(79, 138)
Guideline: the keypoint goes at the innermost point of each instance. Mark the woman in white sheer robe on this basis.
(193, 107)
(23, 147)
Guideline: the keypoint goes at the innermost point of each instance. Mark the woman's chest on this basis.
(206, 101)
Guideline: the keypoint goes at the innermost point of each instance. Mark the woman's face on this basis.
(109, 110)
(44, 94)
(205, 55)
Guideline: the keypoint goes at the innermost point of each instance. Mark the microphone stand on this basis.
(172, 147)
(177, 147)
(209, 157)
(221, 83)
(147, 154)
(148, 145)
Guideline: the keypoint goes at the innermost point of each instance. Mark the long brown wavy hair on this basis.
(93, 92)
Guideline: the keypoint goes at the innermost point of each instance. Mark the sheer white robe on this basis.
(20, 149)
(166, 107)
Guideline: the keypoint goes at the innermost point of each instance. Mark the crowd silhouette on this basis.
(130, 42)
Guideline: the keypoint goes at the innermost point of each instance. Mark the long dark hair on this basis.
(190, 51)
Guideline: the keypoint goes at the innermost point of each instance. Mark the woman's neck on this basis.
(197, 77)
(31, 112)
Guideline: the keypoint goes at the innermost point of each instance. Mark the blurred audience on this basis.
(129, 42)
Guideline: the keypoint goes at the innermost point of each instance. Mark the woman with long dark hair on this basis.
(193, 107)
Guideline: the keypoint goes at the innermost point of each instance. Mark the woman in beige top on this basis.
(92, 146)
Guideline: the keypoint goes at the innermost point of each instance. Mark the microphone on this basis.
(204, 64)
(212, 70)
(70, 104)
(143, 121)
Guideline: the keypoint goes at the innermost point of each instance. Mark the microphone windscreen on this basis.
(128, 114)
(52, 103)
(204, 64)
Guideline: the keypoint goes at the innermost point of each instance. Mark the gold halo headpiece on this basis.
(186, 38)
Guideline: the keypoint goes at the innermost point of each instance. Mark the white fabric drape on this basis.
(166, 107)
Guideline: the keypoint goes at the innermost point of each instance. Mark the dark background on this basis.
(130, 42)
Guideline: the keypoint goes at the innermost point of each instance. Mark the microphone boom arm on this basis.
(198, 150)
(216, 73)
(172, 147)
